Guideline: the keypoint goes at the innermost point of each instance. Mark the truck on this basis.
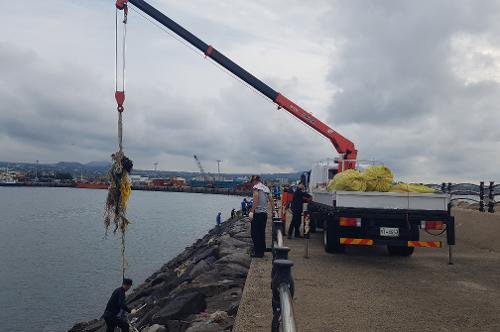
(347, 218)
(393, 219)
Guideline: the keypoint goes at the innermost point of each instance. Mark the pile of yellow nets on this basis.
(374, 178)
(350, 180)
(411, 188)
(378, 178)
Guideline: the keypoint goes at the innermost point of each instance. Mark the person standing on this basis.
(244, 207)
(262, 200)
(297, 202)
(277, 192)
(116, 308)
(218, 219)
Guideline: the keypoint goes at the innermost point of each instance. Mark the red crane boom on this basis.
(344, 147)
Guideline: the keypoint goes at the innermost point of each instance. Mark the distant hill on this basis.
(100, 168)
(97, 164)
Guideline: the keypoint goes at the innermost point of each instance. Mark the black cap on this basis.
(127, 281)
(255, 178)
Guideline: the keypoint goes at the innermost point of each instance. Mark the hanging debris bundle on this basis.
(119, 193)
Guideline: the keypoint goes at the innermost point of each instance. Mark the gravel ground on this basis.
(365, 289)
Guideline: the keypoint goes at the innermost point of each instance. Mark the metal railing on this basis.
(282, 283)
(484, 200)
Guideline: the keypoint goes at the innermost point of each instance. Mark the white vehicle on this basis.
(375, 218)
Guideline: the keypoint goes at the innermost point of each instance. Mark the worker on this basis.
(217, 219)
(249, 204)
(297, 202)
(262, 200)
(116, 308)
(244, 207)
(276, 192)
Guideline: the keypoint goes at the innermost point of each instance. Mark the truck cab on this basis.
(321, 174)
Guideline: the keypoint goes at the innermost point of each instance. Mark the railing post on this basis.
(307, 229)
(277, 225)
(481, 196)
(491, 197)
(282, 277)
(279, 253)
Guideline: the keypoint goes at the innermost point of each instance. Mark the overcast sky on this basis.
(414, 84)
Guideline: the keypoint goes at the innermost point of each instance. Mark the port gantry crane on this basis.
(202, 170)
(344, 147)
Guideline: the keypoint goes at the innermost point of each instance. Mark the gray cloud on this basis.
(400, 90)
(412, 84)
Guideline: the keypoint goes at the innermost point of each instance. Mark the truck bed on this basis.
(383, 200)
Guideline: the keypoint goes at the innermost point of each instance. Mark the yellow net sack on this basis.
(411, 188)
(125, 189)
(349, 180)
(378, 178)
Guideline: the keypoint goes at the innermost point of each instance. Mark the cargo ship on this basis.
(92, 185)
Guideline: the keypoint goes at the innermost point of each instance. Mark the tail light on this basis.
(350, 222)
(432, 224)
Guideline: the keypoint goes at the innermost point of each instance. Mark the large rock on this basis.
(228, 241)
(164, 276)
(177, 325)
(232, 270)
(189, 301)
(239, 228)
(227, 301)
(224, 251)
(204, 327)
(239, 258)
(197, 269)
(217, 321)
(205, 252)
(155, 328)
(159, 287)
(95, 325)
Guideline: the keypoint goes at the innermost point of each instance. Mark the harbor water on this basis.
(56, 266)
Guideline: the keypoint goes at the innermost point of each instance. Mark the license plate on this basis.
(389, 231)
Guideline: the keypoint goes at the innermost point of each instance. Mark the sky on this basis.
(414, 84)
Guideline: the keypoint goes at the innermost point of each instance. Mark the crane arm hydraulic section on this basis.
(343, 146)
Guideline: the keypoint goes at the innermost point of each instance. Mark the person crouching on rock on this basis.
(116, 308)
(262, 200)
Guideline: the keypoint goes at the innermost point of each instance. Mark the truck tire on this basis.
(400, 251)
(331, 239)
(319, 222)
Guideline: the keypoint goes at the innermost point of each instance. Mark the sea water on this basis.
(56, 266)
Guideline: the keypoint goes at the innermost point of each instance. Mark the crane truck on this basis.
(347, 218)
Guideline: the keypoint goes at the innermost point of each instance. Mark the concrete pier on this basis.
(366, 289)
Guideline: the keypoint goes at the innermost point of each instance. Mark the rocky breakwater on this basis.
(199, 290)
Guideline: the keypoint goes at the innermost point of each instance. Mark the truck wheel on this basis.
(400, 251)
(331, 240)
(319, 223)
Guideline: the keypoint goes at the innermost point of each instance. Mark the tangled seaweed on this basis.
(118, 194)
